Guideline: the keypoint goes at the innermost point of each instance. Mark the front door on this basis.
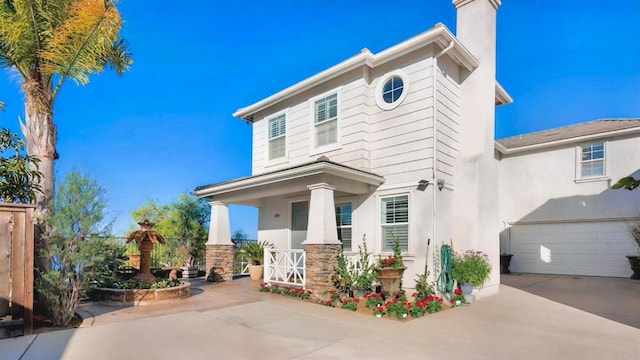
(299, 221)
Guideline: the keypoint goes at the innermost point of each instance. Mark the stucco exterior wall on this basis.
(541, 186)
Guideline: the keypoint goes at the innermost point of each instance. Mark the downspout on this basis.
(435, 152)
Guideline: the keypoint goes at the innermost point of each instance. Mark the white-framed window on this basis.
(325, 120)
(395, 221)
(344, 222)
(592, 160)
(391, 90)
(277, 131)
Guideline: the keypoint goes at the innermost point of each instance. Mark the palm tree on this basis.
(47, 42)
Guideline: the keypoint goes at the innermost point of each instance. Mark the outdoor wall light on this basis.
(440, 184)
(422, 184)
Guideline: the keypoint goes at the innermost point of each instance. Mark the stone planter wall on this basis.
(220, 257)
(321, 260)
(135, 297)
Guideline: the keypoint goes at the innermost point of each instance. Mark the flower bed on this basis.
(402, 307)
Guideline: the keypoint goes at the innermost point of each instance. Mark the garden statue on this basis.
(145, 237)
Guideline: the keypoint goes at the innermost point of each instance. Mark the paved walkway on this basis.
(224, 322)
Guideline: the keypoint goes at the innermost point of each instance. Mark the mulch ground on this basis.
(42, 324)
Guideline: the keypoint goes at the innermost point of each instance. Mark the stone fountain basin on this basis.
(136, 297)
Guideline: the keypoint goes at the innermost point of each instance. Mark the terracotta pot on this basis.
(390, 279)
(255, 272)
(634, 262)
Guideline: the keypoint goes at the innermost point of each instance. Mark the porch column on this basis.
(322, 228)
(219, 246)
(322, 244)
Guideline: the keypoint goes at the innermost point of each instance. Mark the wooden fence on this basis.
(16, 269)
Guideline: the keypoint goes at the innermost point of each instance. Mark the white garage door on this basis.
(587, 248)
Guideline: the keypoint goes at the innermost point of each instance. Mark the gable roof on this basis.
(568, 134)
(439, 34)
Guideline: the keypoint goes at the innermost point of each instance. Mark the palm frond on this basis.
(79, 45)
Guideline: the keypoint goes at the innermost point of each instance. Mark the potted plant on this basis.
(354, 278)
(398, 308)
(378, 311)
(634, 260)
(364, 275)
(390, 270)
(434, 303)
(505, 262)
(470, 269)
(350, 304)
(423, 287)
(254, 252)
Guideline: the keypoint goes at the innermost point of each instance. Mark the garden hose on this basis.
(445, 281)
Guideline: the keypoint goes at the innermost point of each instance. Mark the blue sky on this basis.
(165, 127)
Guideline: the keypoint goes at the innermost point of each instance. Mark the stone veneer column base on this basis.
(220, 256)
(321, 260)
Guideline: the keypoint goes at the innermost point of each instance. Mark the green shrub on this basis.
(471, 267)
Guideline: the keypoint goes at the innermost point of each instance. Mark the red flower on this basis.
(457, 292)
(332, 292)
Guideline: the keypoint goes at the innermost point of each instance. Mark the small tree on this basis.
(18, 175)
(77, 247)
(183, 223)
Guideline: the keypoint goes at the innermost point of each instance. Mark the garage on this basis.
(593, 248)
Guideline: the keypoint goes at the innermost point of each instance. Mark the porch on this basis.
(297, 214)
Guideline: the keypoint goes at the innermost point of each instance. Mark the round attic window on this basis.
(391, 90)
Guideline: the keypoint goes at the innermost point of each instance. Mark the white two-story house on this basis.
(398, 143)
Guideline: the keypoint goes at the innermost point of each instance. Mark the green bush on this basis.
(470, 267)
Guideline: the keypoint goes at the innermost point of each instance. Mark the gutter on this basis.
(434, 188)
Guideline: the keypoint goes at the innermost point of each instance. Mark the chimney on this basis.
(476, 28)
(475, 197)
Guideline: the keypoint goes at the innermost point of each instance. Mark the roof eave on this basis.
(289, 174)
(502, 96)
(439, 34)
(577, 139)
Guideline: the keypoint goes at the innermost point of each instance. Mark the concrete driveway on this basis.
(511, 325)
(617, 299)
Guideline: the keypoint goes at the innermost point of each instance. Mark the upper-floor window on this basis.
(592, 160)
(395, 222)
(391, 90)
(277, 137)
(326, 120)
(343, 220)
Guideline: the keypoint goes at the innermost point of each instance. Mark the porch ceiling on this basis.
(291, 182)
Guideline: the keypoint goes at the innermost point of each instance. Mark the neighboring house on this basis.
(398, 143)
(559, 211)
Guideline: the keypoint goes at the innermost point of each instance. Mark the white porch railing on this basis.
(241, 265)
(285, 266)
(353, 258)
